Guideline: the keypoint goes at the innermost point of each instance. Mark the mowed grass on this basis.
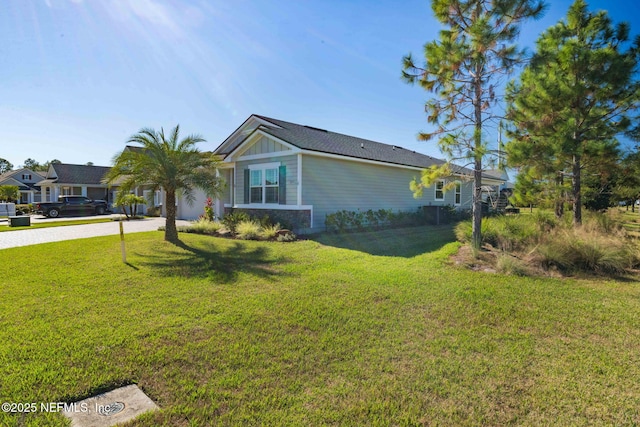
(5, 225)
(359, 329)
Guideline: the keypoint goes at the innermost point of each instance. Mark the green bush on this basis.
(269, 232)
(154, 211)
(342, 221)
(202, 226)
(248, 230)
(232, 219)
(25, 208)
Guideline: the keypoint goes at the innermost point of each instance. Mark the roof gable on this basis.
(17, 174)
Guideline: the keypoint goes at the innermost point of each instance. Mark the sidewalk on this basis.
(12, 239)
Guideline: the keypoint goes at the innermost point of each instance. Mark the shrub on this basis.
(154, 211)
(288, 237)
(248, 230)
(344, 220)
(202, 226)
(269, 232)
(231, 220)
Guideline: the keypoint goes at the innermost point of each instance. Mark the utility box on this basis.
(20, 221)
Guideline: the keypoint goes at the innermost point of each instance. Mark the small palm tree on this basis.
(166, 162)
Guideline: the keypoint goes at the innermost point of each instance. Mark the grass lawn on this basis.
(359, 329)
(5, 226)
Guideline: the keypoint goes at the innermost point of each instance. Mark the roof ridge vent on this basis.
(318, 129)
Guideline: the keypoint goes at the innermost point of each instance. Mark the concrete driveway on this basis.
(12, 239)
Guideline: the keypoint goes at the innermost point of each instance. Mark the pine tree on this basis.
(576, 95)
(462, 69)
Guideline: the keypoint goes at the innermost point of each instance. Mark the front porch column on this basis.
(83, 191)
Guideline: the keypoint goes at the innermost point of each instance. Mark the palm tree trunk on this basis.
(170, 231)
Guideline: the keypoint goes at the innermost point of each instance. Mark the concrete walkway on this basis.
(12, 239)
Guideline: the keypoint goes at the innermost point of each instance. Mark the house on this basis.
(64, 179)
(27, 181)
(298, 174)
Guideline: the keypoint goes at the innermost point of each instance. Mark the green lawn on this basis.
(5, 226)
(359, 329)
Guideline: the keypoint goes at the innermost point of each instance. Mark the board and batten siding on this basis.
(331, 185)
(291, 162)
(265, 145)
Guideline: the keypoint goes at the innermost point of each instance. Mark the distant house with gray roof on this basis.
(302, 173)
(64, 179)
(27, 181)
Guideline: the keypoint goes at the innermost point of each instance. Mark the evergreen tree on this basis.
(462, 69)
(576, 95)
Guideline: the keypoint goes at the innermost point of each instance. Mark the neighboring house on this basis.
(27, 181)
(299, 174)
(64, 179)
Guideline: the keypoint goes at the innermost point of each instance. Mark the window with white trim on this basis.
(264, 185)
(458, 193)
(439, 190)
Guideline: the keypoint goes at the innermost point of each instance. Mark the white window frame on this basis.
(263, 167)
(26, 176)
(435, 190)
(457, 194)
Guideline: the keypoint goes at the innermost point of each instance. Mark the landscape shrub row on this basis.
(344, 220)
(241, 226)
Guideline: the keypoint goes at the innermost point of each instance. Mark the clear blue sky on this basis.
(77, 78)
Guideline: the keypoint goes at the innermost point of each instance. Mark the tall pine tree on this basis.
(576, 95)
(462, 69)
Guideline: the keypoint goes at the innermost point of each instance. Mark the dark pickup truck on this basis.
(72, 205)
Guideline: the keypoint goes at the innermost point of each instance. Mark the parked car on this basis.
(72, 205)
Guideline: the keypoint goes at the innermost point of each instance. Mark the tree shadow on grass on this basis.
(220, 263)
(399, 242)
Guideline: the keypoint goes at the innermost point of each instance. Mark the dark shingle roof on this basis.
(323, 141)
(80, 174)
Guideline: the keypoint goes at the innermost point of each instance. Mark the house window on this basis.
(26, 176)
(264, 185)
(439, 190)
(458, 193)
(256, 186)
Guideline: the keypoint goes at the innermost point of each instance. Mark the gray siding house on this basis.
(64, 179)
(299, 174)
(27, 182)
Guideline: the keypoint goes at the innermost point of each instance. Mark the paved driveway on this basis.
(11, 239)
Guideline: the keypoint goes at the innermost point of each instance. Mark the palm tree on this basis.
(166, 162)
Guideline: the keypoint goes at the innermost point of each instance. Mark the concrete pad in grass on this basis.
(110, 408)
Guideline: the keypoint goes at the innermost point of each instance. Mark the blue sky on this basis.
(79, 77)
